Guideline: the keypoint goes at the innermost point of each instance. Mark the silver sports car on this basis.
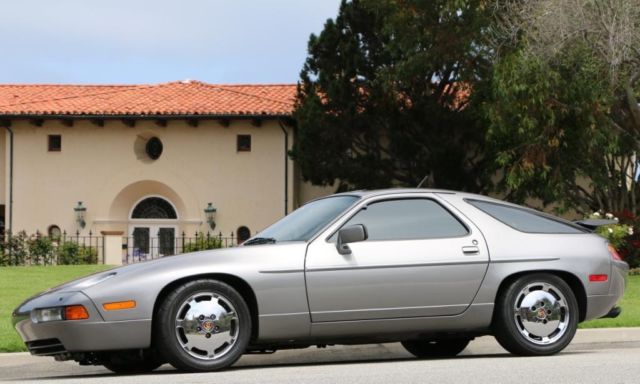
(429, 268)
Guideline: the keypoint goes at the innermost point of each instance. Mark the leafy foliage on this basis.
(616, 234)
(629, 248)
(41, 250)
(202, 242)
(72, 253)
(21, 249)
(383, 98)
(15, 249)
(549, 127)
(565, 121)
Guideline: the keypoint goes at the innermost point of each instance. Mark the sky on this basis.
(155, 41)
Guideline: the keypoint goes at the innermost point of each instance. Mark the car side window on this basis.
(407, 219)
(525, 220)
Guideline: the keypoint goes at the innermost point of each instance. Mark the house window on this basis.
(153, 148)
(55, 143)
(54, 232)
(243, 234)
(244, 143)
(154, 208)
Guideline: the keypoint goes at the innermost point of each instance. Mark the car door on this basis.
(420, 259)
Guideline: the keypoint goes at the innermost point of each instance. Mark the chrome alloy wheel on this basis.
(541, 313)
(207, 325)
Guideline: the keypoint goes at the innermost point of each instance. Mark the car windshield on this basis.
(305, 221)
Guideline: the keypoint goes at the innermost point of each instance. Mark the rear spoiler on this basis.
(592, 224)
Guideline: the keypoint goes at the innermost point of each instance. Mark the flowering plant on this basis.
(616, 233)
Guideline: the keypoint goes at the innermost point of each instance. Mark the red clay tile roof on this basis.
(175, 98)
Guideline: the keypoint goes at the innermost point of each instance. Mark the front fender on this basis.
(275, 273)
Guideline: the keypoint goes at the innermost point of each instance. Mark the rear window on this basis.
(525, 220)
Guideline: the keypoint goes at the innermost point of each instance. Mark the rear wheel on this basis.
(435, 348)
(536, 315)
(203, 325)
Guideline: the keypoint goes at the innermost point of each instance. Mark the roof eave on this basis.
(145, 116)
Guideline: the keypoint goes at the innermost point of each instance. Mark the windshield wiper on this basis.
(260, 240)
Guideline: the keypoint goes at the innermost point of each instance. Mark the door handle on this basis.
(470, 250)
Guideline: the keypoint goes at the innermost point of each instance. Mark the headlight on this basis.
(70, 312)
(47, 314)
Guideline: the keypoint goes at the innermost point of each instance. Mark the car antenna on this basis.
(423, 180)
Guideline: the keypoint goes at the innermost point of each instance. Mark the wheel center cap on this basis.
(207, 325)
(542, 313)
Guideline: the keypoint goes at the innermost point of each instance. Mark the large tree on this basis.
(388, 95)
(565, 121)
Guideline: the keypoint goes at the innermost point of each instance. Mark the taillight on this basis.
(614, 254)
(598, 278)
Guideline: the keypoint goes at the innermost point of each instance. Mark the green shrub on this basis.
(15, 249)
(41, 250)
(20, 249)
(616, 233)
(630, 248)
(89, 255)
(72, 253)
(202, 243)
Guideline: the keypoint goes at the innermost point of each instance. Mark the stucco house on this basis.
(147, 161)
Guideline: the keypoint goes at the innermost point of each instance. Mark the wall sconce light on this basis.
(210, 214)
(80, 210)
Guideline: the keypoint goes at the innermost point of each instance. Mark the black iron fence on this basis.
(142, 247)
(66, 249)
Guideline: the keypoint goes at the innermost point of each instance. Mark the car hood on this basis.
(215, 260)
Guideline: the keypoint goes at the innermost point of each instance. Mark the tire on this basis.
(129, 363)
(536, 315)
(203, 325)
(435, 348)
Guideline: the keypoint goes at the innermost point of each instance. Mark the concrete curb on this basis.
(607, 335)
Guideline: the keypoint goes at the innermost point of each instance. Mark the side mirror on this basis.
(350, 234)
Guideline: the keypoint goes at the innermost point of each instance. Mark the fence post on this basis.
(112, 247)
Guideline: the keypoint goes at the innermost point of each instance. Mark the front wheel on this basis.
(203, 325)
(435, 348)
(536, 315)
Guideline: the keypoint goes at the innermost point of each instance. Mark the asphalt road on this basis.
(595, 356)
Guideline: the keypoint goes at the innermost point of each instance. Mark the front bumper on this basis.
(91, 335)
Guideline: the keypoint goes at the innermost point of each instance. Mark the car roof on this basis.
(398, 191)
(464, 195)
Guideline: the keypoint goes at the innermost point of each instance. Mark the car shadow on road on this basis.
(168, 370)
(389, 360)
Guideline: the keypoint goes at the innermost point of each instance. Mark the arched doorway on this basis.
(152, 228)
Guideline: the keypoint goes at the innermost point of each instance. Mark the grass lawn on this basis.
(19, 283)
(630, 303)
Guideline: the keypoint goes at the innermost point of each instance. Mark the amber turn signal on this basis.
(118, 305)
(75, 312)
